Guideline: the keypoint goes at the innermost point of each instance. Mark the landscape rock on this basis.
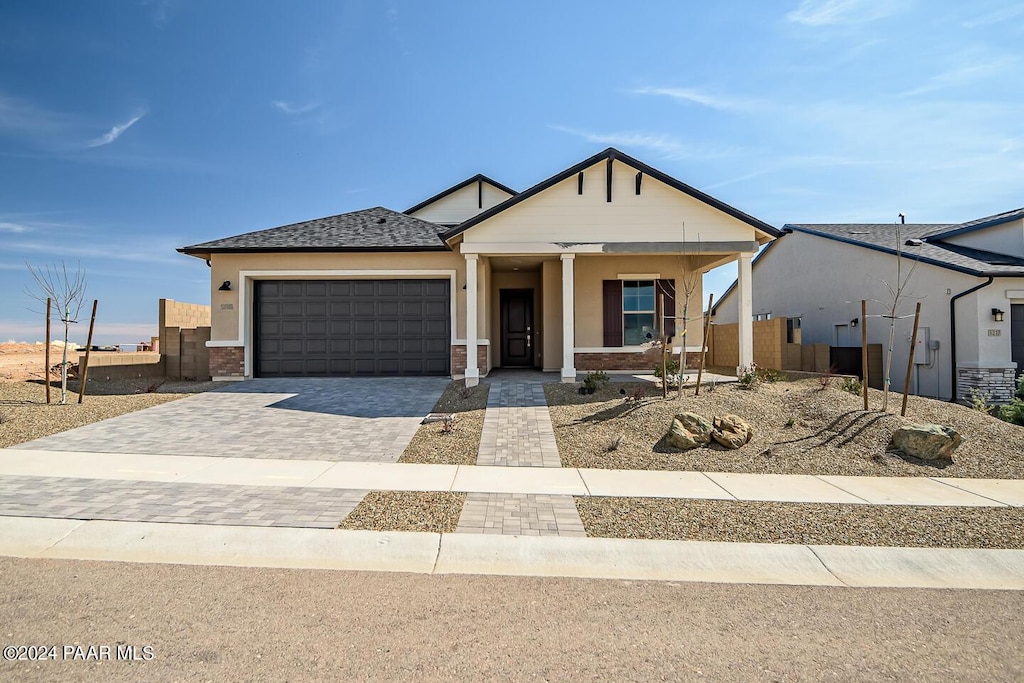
(689, 430)
(927, 441)
(732, 431)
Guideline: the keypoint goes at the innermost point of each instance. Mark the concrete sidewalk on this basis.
(794, 488)
(432, 553)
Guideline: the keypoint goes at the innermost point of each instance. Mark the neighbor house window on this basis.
(793, 335)
(638, 312)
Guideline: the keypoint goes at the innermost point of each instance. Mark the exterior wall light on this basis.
(855, 322)
(997, 315)
(226, 287)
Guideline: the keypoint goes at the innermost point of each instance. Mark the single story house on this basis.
(568, 275)
(969, 279)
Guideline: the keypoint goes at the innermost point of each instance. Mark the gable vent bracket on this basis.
(608, 173)
(639, 179)
(579, 183)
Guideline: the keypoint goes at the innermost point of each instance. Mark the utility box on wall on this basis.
(922, 353)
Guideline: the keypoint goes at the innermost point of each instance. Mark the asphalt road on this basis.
(226, 624)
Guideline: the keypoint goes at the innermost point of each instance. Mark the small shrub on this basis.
(980, 401)
(638, 394)
(769, 375)
(852, 385)
(614, 444)
(1020, 388)
(1013, 412)
(448, 424)
(790, 422)
(595, 380)
(825, 378)
(671, 367)
(748, 377)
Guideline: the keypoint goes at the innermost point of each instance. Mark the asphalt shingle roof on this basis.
(376, 229)
(882, 237)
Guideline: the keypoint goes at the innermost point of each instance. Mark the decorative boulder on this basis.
(689, 430)
(732, 431)
(927, 441)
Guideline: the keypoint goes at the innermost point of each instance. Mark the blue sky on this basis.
(128, 129)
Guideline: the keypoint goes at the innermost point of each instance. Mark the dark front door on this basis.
(517, 328)
(1017, 336)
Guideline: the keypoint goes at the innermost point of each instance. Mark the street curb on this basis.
(431, 553)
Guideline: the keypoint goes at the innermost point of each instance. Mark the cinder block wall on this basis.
(111, 366)
(184, 331)
(770, 347)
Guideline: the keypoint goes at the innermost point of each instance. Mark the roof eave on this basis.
(458, 186)
(196, 251)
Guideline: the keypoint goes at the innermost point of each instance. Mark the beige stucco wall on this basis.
(1000, 239)
(462, 204)
(822, 281)
(551, 296)
(658, 214)
(225, 305)
(591, 271)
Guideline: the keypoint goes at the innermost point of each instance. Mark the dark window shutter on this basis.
(613, 312)
(668, 290)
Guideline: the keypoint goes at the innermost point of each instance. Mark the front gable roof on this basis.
(376, 229)
(478, 178)
(614, 155)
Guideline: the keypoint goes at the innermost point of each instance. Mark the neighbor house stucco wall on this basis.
(1007, 238)
(658, 214)
(822, 281)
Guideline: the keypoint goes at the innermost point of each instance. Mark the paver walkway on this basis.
(517, 432)
(148, 501)
(331, 419)
(520, 514)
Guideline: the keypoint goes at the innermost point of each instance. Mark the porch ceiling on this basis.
(510, 264)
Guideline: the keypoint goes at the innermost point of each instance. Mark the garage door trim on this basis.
(246, 328)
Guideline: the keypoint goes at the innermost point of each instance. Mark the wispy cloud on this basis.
(115, 132)
(961, 75)
(691, 95)
(295, 109)
(828, 12)
(13, 227)
(665, 146)
(995, 17)
(19, 116)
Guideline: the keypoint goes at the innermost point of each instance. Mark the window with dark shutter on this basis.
(612, 313)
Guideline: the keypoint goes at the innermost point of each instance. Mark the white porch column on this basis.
(568, 318)
(472, 371)
(746, 311)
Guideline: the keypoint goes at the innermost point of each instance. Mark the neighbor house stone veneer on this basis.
(227, 361)
(995, 384)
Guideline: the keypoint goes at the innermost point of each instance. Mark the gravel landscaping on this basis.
(25, 415)
(432, 445)
(799, 428)
(434, 511)
(806, 523)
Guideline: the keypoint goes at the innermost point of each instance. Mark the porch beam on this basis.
(744, 286)
(472, 371)
(522, 248)
(568, 317)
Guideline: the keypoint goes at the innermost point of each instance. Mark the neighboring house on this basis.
(564, 276)
(969, 279)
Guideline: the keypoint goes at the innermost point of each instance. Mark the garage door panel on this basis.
(352, 327)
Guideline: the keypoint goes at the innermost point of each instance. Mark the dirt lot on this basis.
(799, 428)
(26, 361)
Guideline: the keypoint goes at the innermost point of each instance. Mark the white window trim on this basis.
(653, 314)
(246, 278)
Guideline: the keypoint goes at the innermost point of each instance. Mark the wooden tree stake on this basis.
(864, 349)
(704, 343)
(910, 360)
(46, 374)
(83, 371)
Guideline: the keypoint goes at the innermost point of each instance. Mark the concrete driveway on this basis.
(335, 419)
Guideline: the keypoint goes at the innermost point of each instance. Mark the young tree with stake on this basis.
(67, 290)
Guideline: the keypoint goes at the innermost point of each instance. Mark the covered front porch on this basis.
(573, 311)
